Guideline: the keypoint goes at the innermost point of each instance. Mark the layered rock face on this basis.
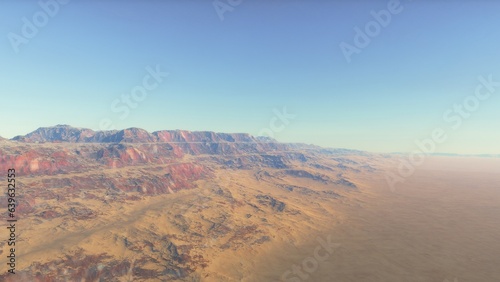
(66, 133)
(116, 149)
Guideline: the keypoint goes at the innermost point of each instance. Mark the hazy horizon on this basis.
(151, 131)
(232, 73)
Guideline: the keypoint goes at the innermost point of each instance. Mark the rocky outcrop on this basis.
(271, 202)
(58, 133)
(306, 174)
(248, 162)
(345, 182)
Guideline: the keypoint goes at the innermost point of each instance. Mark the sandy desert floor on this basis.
(442, 224)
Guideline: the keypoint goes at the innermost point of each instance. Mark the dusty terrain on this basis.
(188, 209)
(442, 224)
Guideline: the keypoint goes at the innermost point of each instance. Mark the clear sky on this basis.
(231, 71)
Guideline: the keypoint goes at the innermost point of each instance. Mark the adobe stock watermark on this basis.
(223, 6)
(129, 101)
(309, 265)
(277, 123)
(31, 27)
(363, 37)
(454, 117)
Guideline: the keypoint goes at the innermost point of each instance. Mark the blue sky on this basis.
(233, 75)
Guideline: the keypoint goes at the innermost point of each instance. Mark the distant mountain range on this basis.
(66, 133)
(456, 155)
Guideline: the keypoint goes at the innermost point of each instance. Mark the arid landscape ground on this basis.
(199, 206)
